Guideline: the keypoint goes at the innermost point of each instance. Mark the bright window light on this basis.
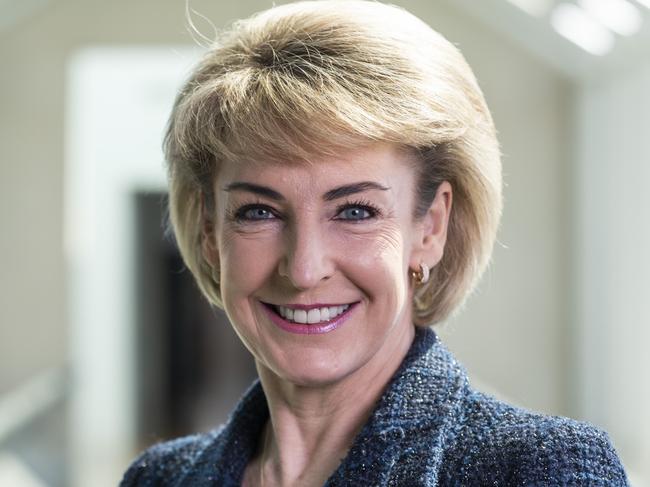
(536, 8)
(618, 15)
(576, 25)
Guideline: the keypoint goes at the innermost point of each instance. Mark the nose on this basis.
(307, 258)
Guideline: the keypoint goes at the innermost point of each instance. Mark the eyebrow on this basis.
(330, 195)
(255, 188)
(353, 188)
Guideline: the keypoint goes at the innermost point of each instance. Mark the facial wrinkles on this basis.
(367, 261)
(378, 239)
(300, 186)
(386, 251)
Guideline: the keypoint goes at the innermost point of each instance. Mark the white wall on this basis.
(118, 100)
(612, 259)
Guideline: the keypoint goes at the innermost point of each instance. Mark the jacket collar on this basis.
(404, 438)
(422, 399)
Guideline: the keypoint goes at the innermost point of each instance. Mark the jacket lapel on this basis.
(404, 441)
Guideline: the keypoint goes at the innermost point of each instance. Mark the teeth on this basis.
(324, 314)
(314, 315)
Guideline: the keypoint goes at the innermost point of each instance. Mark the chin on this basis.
(312, 373)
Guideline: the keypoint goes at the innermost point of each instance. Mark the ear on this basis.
(208, 235)
(431, 234)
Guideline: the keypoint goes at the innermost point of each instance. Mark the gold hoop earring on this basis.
(421, 276)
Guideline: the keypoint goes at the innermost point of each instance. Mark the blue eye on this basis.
(356, 212)
(254, 213)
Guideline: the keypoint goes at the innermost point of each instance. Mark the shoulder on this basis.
(504, 445)
(164, 464)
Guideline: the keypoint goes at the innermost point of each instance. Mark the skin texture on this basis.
(300, 250)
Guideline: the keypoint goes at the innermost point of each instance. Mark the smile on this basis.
(311, 316)
(309, 320)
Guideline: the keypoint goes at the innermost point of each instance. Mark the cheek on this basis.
(380, 261)
(245, 265)
(246, 261)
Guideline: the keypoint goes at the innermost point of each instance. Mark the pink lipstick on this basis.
(305, 328)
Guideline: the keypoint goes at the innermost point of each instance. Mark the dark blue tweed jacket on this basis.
(430, 428)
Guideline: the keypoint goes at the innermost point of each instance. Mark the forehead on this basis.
(384, 163)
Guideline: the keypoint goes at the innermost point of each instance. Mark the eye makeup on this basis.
(252, 212)
(355, 211)
(361, 204)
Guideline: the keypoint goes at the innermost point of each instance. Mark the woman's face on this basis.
(314, 260)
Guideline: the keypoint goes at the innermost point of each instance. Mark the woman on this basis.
(335, 187)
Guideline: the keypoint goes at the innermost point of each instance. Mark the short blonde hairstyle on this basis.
(313, 78)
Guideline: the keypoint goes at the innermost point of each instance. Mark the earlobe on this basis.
(430, 246)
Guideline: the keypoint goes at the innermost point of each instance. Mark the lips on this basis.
(311, 316)
(313, 319)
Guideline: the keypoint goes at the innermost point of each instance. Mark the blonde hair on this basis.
(312, 78)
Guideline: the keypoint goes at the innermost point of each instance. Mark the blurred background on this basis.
(105, 345)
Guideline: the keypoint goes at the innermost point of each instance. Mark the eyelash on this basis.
(239, 215)
(372, 210)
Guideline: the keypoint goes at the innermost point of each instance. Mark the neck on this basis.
(312, 427)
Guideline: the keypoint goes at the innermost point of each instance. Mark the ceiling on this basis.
(526, 22)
